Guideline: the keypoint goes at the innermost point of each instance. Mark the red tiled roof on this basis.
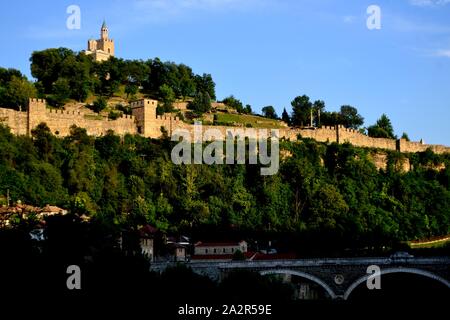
(147, 230)
(19, 209)
(247, 255)
(49, 208)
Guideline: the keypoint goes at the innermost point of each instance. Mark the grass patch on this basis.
(438, 243)
(245, 119)
(93, 117)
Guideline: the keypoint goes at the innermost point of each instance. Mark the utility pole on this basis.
(318, 114)
(7, 196)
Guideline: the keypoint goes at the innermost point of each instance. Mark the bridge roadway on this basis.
(337, 276)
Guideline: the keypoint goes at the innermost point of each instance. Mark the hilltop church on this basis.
(102, 48)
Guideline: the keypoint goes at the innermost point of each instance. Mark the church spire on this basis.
(104, 31)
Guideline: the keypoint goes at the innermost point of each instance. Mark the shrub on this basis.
(114, 115)
(99, 104)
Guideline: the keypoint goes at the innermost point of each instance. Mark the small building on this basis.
(49, 210)
(178, 248)
(146, 241)
(24, 211)
(219, 248)
(179, 252)
(147, 247)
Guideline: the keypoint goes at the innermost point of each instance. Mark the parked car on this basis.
(401, 255)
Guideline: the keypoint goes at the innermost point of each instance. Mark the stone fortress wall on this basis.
(340, 134)
(145, 122)
(16, 120)
(60, 121)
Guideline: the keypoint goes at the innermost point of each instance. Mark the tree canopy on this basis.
(15, 89)
(321, 192)
(269, 112)
(382, 128)
(201, 103)
(305, 112)
(301, 111)
(63, 74)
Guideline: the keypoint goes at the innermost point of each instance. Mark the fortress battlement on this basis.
(126, 116)
(36, 100)
(168, 117)
(146, 122)
(58, 111)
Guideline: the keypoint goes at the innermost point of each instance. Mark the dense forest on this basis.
(323, 191)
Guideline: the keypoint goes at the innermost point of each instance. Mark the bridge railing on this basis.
(306, 262)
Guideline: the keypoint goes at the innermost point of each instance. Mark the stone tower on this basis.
(144, 111)
(102, 48)
(36, 113)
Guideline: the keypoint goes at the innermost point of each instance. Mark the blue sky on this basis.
(266, 52)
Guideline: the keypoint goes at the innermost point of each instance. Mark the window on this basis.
(214, 250)
(206, 250)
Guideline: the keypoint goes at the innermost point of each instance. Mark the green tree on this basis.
(405, 136)
(234, 103)
(163, 211)
(78, 70)
(285, 117)
(7, 74)
(350, 118)
(188, 83)
(43, 140)
(301, 111)
(167, 97)
(136, 72)
(300, 174)
(50, 65)
(46, 66)
(277, 204)
(61, 91)
(206, 84)
(99, 104)
(269, 112)
(17, 92)
(110, 75)
(201, 103)
(326, 207)
(131, 89)
(382, 129)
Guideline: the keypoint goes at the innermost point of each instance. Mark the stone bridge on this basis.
(337, 276)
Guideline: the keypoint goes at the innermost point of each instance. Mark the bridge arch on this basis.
(303, 275)
(396, 270)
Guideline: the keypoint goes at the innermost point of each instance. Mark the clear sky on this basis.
(266, 52)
